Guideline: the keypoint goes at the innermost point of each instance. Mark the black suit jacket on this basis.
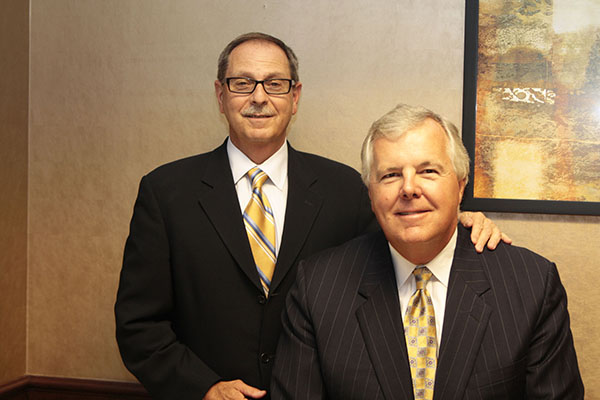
(506, 330)
(190, 310)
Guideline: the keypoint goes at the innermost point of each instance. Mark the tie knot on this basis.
(258, 177)
(422, 276)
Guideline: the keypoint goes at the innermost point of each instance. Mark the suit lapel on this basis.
(466, 319)
(380, 322)
(218, 198)
(303, 205)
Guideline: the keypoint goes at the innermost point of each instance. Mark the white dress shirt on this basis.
(275, 188)
(437, 286)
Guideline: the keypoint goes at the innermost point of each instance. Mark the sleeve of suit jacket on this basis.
(552, 370)
(528, 347)
(148, 344)
(297, 373)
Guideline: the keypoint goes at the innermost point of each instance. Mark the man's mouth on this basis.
(411, 212)
(257, 116)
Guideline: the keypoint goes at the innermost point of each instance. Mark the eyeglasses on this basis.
(248, 85)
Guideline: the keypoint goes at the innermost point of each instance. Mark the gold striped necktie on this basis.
(420, 332)
(260, 227)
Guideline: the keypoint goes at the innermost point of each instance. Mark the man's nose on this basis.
(259, 96)
(410, 187)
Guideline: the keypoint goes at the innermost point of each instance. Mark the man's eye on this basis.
(429, 171)
(273, 84)
(390, 175)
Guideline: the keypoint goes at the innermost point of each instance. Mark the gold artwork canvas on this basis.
(537, 107)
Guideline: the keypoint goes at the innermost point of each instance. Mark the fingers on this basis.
(233, 390)
(252, 392)
(466, 218)
(484, 232)
(494, 239)
(506, 239)
(477, 222)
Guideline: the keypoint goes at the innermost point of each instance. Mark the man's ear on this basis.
(461, 189)
(219, 91)
(296, 96)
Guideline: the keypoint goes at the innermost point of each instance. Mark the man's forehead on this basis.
(413, 147)
(258, 54)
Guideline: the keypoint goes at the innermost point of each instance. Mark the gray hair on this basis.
(404, 118)
(223, 62)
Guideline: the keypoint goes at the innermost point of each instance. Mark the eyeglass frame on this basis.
(256, 82)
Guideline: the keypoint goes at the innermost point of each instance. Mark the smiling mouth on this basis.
(257, 116)
(411, 212)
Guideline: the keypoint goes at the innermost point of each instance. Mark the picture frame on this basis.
(531, 109)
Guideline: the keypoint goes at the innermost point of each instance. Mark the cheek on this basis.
(284, 110)
(233, 104)
(382, 199)
(441, 192)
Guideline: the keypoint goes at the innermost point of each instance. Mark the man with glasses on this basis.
(215, 238)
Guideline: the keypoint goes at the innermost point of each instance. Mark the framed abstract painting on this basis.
(531, 106)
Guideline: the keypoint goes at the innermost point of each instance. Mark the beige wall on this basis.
(14, 60)
(121, 86)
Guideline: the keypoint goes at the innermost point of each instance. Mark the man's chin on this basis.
(259, 123)
(260, 137)
(413, 238)
(264, 139)
(406, 236)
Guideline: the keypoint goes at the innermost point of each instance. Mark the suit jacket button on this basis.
(262, 299)
(265, 358)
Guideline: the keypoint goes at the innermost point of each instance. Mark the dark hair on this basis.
(246, 37)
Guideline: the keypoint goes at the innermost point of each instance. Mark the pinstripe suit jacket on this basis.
(506, 331)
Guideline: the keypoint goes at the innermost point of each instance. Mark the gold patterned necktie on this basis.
(260, 227)
(421, 342)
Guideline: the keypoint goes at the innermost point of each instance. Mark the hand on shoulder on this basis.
(483, 230)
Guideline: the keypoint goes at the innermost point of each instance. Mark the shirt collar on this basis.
(440, 266)
(275, 166)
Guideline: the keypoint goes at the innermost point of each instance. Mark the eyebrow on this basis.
(274, 75)
(424, 164)
(431, 164)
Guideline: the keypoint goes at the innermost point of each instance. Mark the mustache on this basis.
(255, 110)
